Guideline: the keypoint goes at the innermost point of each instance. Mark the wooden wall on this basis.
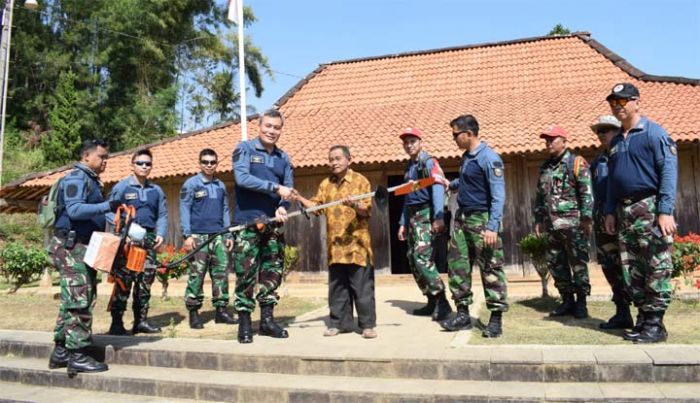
(521, 179)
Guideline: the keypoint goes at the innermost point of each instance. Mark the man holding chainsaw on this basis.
(477, 239)
(148, 201)
(422, 219)
(350, 271)
(264, 186)
(204, 213)
(80, 211)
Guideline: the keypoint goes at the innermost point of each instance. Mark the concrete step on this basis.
(665, 363)
(208, 385)
(19, 392)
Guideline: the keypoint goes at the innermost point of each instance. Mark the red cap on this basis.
(555, 131)
(411, 131)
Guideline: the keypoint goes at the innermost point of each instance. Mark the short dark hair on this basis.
(464, 123)
(142, 151)
(344, 149)
(91, 145)
(207, 151)
(272, 113)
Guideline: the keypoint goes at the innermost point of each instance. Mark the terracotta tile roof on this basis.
(514, 88)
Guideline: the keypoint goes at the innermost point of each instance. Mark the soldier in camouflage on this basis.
(80, 211)
(149, 201)
(477, 238)
(204, 213)
(421, 219)
(264, 187)
(607, 248)
(564, 211)
(639, 207)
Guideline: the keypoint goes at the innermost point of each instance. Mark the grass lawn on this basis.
(528, 322)
(38, 312)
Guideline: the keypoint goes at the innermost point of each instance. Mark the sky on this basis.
(658, 37)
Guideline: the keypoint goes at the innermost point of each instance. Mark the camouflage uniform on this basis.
(258, 254)
(565, 198)
(78, 295)
(214, 258)
(607, 246)
(467, 243)
(420, 251)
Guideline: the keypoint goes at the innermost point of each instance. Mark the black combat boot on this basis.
(141, 324)
(195, 320)
(245, 328)
(459, 321)
(633, 334)
(494, 328)
(81, 362)
(442, 308)
(427, 309)
(268, 327)
(222, 316)
(567, 306)
(653, 330)
(59, 356)
(117, 326)
(580, 308)
(622, 318)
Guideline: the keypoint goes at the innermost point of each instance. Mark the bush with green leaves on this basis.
(291, 259)
(21, 265)
(535, 247)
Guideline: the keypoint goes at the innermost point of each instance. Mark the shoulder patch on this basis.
(497, 171)
(497, 164)
(672, 148)
(71, 190)
(183, 194)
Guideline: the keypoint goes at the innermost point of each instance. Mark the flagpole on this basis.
(241, 72)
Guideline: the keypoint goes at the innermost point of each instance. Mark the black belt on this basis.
(416, 207)
(470, 212)
(63, 234)
(635, 198)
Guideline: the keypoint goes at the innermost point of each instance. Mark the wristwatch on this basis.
(275, 187)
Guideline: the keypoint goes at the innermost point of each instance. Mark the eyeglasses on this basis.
(143, 163)
(620, 101)
(208, 162)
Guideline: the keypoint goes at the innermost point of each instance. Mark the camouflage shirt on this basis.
(564, 192)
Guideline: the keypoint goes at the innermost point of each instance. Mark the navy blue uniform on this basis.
(257, 174)
(83, 204)
(203, 206)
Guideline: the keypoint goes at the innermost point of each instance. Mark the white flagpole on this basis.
(241, 72)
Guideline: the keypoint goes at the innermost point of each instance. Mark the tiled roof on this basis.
(514, 88)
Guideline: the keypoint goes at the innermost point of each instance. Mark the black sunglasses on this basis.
(208, 162)
(143, 163)
(456, 134)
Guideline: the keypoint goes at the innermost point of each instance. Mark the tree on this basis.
(62, 143)
(559, 30)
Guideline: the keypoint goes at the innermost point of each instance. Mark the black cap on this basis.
(623, 90)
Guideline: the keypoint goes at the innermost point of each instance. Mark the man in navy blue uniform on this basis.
(643, 174)
(152, 214)
(422, 219)
(264, 186)
(477, 238)
(80, 211)
(204, 212)
(606, 245)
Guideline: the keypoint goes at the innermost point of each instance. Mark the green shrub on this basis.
(534, 246)
(291, 259)
(21, 265)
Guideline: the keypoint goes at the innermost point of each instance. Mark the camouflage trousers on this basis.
(608, 256)
(646, 256)
(567, 258)
(420, 252)
(467, 248)
(78, 295)
(259, 258)
(214, 259)
(141, 281)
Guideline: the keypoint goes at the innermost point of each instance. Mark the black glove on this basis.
(114, 205)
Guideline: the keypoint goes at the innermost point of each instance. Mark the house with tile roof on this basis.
(514, 88)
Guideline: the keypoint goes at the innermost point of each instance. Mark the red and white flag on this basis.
(233, 11)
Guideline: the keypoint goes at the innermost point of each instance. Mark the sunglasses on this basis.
(620, 101)
(143, 163)
(457, 134)
(208, 162)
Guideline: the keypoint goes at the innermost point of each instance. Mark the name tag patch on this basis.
(131, 196)
(257, 159)
(199, 194)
